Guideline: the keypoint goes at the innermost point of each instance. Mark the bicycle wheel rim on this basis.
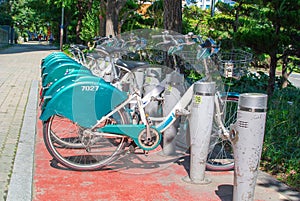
(65, 138)
(220, 157)
(103, 152)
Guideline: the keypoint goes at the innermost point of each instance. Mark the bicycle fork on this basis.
(219, 113)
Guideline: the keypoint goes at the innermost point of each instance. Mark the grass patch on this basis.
(281, 148)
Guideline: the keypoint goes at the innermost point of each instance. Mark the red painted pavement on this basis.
(139, 180)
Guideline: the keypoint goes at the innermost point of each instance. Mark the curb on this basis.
(20, 186)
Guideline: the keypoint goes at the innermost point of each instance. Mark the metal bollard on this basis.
(173, 92)
(247, 139)
(139, 77)
(200, 124)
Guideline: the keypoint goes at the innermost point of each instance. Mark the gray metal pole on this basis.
(152, 79)
(62, 27)
(139, 77)
(200, 124)
(247, 139)
(212, 9)
(173, 91)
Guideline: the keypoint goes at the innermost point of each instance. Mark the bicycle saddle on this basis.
(110, 50)
(130, 65)
(94, 55)
(79, 46)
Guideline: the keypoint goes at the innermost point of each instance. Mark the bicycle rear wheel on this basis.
(83, 154)
(66, 135)
(220, 156)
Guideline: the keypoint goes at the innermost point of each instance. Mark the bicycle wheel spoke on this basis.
(70, 146)
(220, 155)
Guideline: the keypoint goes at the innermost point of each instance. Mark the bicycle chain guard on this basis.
(149, 143)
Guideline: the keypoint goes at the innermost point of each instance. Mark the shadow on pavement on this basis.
(138, 163)
(225, 192)
(28, 47)
(270, 182)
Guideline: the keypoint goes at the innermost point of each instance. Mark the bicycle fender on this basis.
(67, 80)
(84, 102)
(53, 55)
(63, 65)
(59, 73)
(48, 92)
(56, 58)
(56, 63)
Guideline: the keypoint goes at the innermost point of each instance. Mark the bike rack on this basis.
(65, 80)
(152, 79)
(200, 127)
(247, 139)
(173, 92)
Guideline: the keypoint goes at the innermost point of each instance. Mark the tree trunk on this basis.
(173, 15)
(102, 18)
(109, 28)
(284, 72)
(237, 15)
(78, 29)
(172, 21)
(113, 8)
(79, 20)
(272, 74)
(102, 25)
(116, 21)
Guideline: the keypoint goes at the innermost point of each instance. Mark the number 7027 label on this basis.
(89, 88)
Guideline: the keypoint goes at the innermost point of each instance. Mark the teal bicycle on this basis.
(95, 115)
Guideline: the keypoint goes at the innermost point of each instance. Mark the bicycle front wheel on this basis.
(220, 156)
(83, 153)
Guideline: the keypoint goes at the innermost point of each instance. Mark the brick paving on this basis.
(19, 67)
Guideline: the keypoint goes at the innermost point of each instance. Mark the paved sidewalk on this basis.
(19, 66)
(35, 176)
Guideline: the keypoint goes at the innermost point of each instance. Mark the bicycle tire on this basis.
(102, 152)
(220, 156)
(66, 137)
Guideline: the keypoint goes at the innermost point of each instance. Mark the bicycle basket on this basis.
(234, 64)
(188, 57)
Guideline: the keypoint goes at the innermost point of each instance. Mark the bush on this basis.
(281, 152)
(252, 82)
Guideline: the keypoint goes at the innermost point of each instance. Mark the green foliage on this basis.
(91, 24)
(155, 12)
(281, 152)
(252, 82)
(192, 76)
(5, 17)
(194, 20)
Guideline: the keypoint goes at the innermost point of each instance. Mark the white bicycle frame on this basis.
(178, 109)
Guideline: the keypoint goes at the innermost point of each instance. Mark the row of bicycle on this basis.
(93, 116)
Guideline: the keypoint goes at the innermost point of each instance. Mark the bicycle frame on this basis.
(133, 131)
